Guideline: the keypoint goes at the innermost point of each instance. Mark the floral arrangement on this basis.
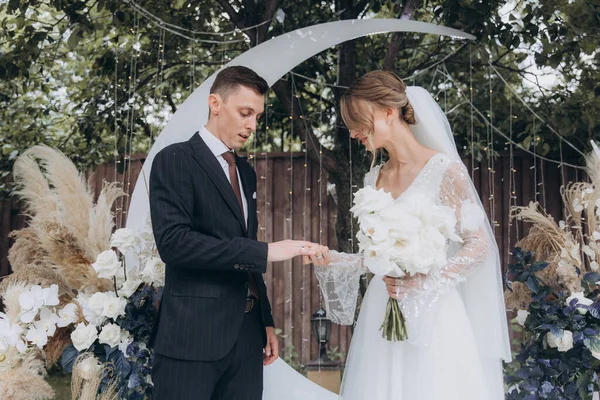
(82, 298)
(553, 287)
(400, 237)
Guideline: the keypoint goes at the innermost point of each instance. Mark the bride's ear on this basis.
(390, 114)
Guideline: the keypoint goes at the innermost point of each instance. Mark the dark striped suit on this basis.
(204, 342)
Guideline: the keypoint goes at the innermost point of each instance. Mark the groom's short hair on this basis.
(230, 78)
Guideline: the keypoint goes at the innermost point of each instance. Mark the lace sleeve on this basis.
(456, 192)
(340, 279)
(339, 285)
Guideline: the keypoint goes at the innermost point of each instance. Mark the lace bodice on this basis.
(446, 182)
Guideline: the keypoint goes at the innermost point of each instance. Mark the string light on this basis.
(561, 138)
(505, 136)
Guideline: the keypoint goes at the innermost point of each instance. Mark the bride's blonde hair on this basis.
(382, 89)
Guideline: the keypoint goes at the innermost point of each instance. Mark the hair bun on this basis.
(408, 114)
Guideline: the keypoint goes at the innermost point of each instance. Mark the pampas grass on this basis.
(33, 188)
(24, 380)
(69, 186)
(26, 249)
(86, 379)
(67, 231)
(101, 217)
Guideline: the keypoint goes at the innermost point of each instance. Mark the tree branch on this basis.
(236, 18)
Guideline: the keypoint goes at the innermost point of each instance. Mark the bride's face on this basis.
(381, 130)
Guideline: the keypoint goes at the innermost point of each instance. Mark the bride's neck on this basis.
(405, 150)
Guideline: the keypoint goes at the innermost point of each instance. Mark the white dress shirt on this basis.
(218, 148)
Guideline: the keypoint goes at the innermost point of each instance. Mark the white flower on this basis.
(107, 264)
(564, 343)
(596, 235)
(84, 336)
(89, 368)
(114, 307)
(50, 295)
(10, 334)
(37, 336)
(47, 322)
(123, 239)
(589, 251)
(110, 334)
(154, 271)
(67, 315)
(129, 287)
(522, 317)
(581, 299)
(368, 200)
(594, 266)
(561, 224)
(471, 216)
(575, 251)
(577, 205)
(374, 227)
(126, 340)
(92, 307)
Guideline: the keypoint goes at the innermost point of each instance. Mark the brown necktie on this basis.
(235, 184)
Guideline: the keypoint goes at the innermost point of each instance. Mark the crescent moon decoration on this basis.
(271, 60)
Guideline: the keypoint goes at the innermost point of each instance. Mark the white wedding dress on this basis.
(441, 359)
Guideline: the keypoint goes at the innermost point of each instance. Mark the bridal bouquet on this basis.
(401, 237)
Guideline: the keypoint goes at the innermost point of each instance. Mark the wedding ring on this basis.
(319, 256)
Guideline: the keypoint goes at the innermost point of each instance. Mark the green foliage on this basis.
(62, 59)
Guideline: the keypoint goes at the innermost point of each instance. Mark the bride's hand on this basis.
(401, 288)
(322, 256)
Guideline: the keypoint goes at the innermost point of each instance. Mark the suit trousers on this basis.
(237, 376)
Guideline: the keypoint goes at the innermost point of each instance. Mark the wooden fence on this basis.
(289, 194)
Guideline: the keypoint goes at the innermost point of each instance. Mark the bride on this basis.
(457, 331)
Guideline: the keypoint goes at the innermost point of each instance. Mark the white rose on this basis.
(581, 299)
(123, 239)
(97, 301)
(522, 317)
(110, 334)
(92, 307)
(129, 287)
(368, 200)
(564, 343)
(107, 264)
(89, 368)
(154, 271)
(114, 307)
(84, 336)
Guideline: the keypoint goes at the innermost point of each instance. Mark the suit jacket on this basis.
(202, 237)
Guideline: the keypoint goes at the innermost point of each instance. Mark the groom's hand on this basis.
(272, 348)
(287, 249)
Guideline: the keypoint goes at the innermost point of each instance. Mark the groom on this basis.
(214, 329)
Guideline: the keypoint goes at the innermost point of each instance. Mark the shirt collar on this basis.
(214, 144)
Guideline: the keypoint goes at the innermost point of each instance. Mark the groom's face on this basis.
(236, 115)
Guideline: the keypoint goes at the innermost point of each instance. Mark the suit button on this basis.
(236, 266)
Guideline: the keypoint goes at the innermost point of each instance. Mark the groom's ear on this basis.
(214, 104)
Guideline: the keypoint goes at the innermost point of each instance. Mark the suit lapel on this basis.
(211, 166)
